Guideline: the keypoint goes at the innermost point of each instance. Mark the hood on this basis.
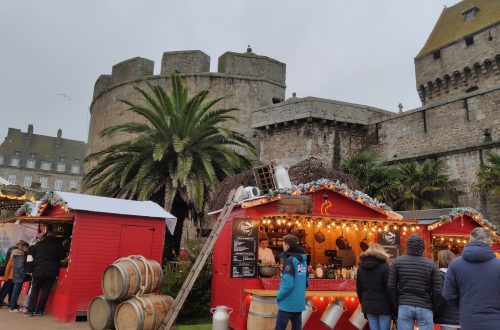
(370, 261)
(296, 251)
(415, 245)
(477, 252)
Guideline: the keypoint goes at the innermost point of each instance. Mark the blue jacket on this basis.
(473, 284)
(294, 280)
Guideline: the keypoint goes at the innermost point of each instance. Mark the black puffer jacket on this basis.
(47, 255)
(413, 279)
(371, 286)
(446, 312)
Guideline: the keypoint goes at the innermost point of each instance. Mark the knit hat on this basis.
(415, 245)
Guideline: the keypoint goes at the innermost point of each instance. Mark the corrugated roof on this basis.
(451, 26)
(424, 215)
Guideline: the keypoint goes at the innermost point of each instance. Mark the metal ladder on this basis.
(171, 316)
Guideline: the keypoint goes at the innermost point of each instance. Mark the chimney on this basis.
(30, 129)
(59, 133)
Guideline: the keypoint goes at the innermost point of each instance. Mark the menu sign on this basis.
(390, 240)
(244, 249)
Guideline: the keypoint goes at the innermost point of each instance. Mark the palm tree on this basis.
(488, 177)
(424, 186)
(376, 179)
(176, 157)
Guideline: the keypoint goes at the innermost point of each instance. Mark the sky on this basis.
(52, 51)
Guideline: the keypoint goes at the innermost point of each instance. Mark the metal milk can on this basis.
(282, 177)
(310, 308)
(332, 313)
(220, 320)
(358, 318)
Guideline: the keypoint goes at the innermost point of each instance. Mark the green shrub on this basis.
(197, 305)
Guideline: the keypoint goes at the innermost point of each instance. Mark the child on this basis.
(19, 275)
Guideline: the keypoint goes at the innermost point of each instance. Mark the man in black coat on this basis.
(47, 255)
(414, 286)
(473, 284)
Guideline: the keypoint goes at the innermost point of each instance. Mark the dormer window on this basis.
(45, 166)
(30, 163)
(14, 162)
(61, 167)
(75, 169)
(470, 13)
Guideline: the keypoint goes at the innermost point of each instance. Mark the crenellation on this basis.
(131, 69)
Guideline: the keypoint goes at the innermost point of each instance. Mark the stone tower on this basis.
(252, 80)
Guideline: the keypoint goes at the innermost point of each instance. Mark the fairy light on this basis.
(386, 226)
(395, 226)
(405, 228)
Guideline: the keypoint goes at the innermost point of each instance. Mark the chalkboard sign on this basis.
(390, 240)
(244, 249)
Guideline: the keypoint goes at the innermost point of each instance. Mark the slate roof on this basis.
(26, 145)
(451, 26)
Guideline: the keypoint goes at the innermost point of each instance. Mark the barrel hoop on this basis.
(126, 278)
(139, 311)
(263, 300)
(264, 315)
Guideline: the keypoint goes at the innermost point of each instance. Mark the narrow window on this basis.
(72, 185)
(45, 166)
(14, 162)
(27, 181)
(44, 182)
(12, 178)
(75, 169)
(61, 167)
(469, 40)
(58, 184)
(30, 163)
(436, 55)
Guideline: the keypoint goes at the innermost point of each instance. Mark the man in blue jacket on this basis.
(294, 280)
(473, 284)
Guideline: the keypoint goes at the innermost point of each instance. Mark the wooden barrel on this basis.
(100, 314)
(142, 315)
(124, 278)
(262, 313)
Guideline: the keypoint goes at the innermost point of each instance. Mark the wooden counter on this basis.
(272, 293)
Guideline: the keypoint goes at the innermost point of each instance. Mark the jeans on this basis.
(6, 290)
(379, 322)
(284, 317)
(408, 314)
(37, 304)
(15, 295)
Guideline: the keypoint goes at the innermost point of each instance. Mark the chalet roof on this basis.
(451, 25)
(82, 202)
(425, 216)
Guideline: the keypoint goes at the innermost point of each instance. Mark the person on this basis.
(265, 255)
(446, 314)
(47, 255)
(414, 286)
(473, 283)
(291, 295)
(371, 287)
(8, 285)
(19, 275)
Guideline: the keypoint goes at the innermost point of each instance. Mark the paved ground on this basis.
(17, 321)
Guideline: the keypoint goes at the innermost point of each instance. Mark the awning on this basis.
(39, 219)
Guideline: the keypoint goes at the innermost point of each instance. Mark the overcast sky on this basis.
(52, 51)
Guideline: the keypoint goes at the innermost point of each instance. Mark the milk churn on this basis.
(282, 177)
(310, 308)
(358, 318)
(332, 313)
(220, 320)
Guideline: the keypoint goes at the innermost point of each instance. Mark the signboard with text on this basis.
(391, 242)
(244, 248)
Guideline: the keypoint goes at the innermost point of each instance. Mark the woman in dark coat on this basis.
(446, 314)
(371, 287)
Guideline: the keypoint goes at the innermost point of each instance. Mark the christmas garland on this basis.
(53, 199)
(337, 187)
(468, 211)
(25, 209)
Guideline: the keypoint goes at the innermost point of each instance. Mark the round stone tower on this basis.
(252, 80)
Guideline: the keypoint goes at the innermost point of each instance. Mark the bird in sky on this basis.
(65, 96)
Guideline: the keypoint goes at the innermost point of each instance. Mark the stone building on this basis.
(457, 79)
(42, 162)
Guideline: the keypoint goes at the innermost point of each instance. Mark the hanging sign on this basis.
(244, 248)
(391, 242)
(295, 204)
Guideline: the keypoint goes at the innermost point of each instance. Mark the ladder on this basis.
(171, 316)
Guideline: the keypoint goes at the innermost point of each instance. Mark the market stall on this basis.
(450, 228)
(96, 231)
(333, 225)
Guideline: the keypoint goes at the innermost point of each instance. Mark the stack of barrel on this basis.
(127, 301)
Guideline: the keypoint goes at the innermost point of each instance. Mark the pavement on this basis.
(17, 321)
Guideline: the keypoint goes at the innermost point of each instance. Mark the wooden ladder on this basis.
(171, 316)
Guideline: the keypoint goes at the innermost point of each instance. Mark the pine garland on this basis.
(338, 187)
(460, 212)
